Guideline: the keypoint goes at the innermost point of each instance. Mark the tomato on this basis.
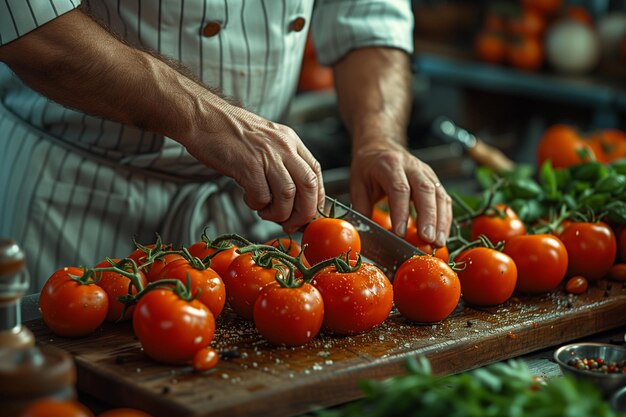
(494, 22)
(116, 285)
(70, 308)
(490, 47)
(621, 243)
(314, 76)
(220, 262)
(547, 8)
(205, 359)
(608, 145)
(541, 262)
(580, 14)
(124, 412)
(289, 316)
(591, 249)
(170, 329)
(326, 238)
(618, 272)
(56, 408)
(244, 281)
(526, 53)
(291, 248)
(206, 281)
(414, 239)
(426, 289)
(527, 23)
(354, 302)
(576, 285)
(497, 228)
(139, 255)
(488, 277)
(153, 270)
(561, 145)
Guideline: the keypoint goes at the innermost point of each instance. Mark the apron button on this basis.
(298, 24)
(211, 29)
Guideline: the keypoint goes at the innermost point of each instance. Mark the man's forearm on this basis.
(76, 62)
(374, 93)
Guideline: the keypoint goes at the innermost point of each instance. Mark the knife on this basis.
(378, 245)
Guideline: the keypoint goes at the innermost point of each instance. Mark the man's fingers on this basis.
(283, 192)
(423, 193)
(306, 202)
(444, 215)
(317, 170)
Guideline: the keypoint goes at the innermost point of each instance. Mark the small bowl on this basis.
(608, 383)
(618, 401)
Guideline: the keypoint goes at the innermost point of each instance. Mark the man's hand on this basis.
(374, 90)
(392, 171)
(280, 177)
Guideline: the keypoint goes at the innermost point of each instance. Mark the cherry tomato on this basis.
(244, 281)
(498, 228)
(171, 330)
(220, 262)
(414, 239)
(205, 359)
(326, 238)
(354, 302)
(576, 285)
(561, 145)
(488, 277)
(116, 285)
(426, 289)
(580, 14)
(289, 316)
(527, 23)
(591, 249)
(70, 308)
(618, 272)
(541, 262)
(124, 412)
(207, 281)
(56, 408)
(546, 8)
(139, 255)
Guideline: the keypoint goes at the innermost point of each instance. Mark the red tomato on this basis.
(116, 285)
(327, 238)
(207, 281)
(580, 14)
(171, 330)
(414, 239)
(526, 53)
(289, 316)
(124, 412)
(153, 272)
(561, 144)
(291, 248)
(541, 262)
(426, 289)
(498, 228)
(618, 272)
(591, 249)
(576, 285)
(244, 281)
(220, 262)
(70, 308)
(139, 255)
(55, 408)
(490, 46)
(205, 359)
(354, 302)
(608, 145)
(488, 276)
(527, 23)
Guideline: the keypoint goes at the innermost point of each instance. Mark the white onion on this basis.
(572, 47)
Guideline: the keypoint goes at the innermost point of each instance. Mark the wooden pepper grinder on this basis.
(27, 372)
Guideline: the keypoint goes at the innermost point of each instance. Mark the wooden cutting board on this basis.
(255, 378)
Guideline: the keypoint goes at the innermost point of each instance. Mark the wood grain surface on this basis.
(255, 378)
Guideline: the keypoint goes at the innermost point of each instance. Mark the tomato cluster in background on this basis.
(527, 34)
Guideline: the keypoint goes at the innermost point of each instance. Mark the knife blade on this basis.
(380, 246)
